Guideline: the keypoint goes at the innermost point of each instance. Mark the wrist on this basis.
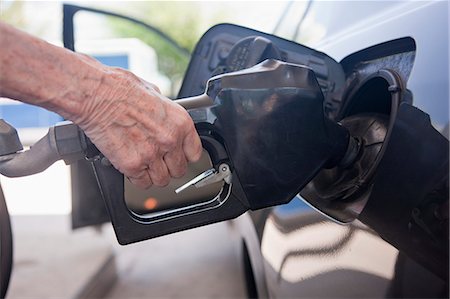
(85, 82)
(103, 99)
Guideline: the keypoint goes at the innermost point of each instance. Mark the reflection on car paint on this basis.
(304, 251)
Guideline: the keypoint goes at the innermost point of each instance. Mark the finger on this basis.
(192, 146)
(142, 180)
(176, 163)
(159, 173)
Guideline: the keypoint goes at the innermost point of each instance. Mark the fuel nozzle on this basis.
(270, 119)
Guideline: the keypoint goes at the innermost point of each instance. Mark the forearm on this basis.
(35, 72)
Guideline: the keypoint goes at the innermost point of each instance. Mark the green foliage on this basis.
(179, 20)
(171, 62)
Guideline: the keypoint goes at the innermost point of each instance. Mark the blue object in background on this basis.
(29, 116)
(295, 206)
(114, 60)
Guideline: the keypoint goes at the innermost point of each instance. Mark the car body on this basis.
(293, 250)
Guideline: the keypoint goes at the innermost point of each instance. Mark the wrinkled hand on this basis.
(146, 136)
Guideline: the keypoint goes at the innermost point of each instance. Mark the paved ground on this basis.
(50, 261)
(53, 262)
(199, 263)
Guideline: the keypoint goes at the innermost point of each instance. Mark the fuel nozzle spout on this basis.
(346, 147)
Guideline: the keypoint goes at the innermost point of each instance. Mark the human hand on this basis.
(146, 136)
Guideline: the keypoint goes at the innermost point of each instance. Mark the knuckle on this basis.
(161, 181)
(122, 71)
(150, 153)
(148, 85)
(128, 78)
(131, 166)
(141, 183)
(154, 87)
(169, 140)
(199, 151)
(188, 129)
(197, 155)
(179, 172)
(186, 121)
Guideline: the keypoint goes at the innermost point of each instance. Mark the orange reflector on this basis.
(150, 203)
